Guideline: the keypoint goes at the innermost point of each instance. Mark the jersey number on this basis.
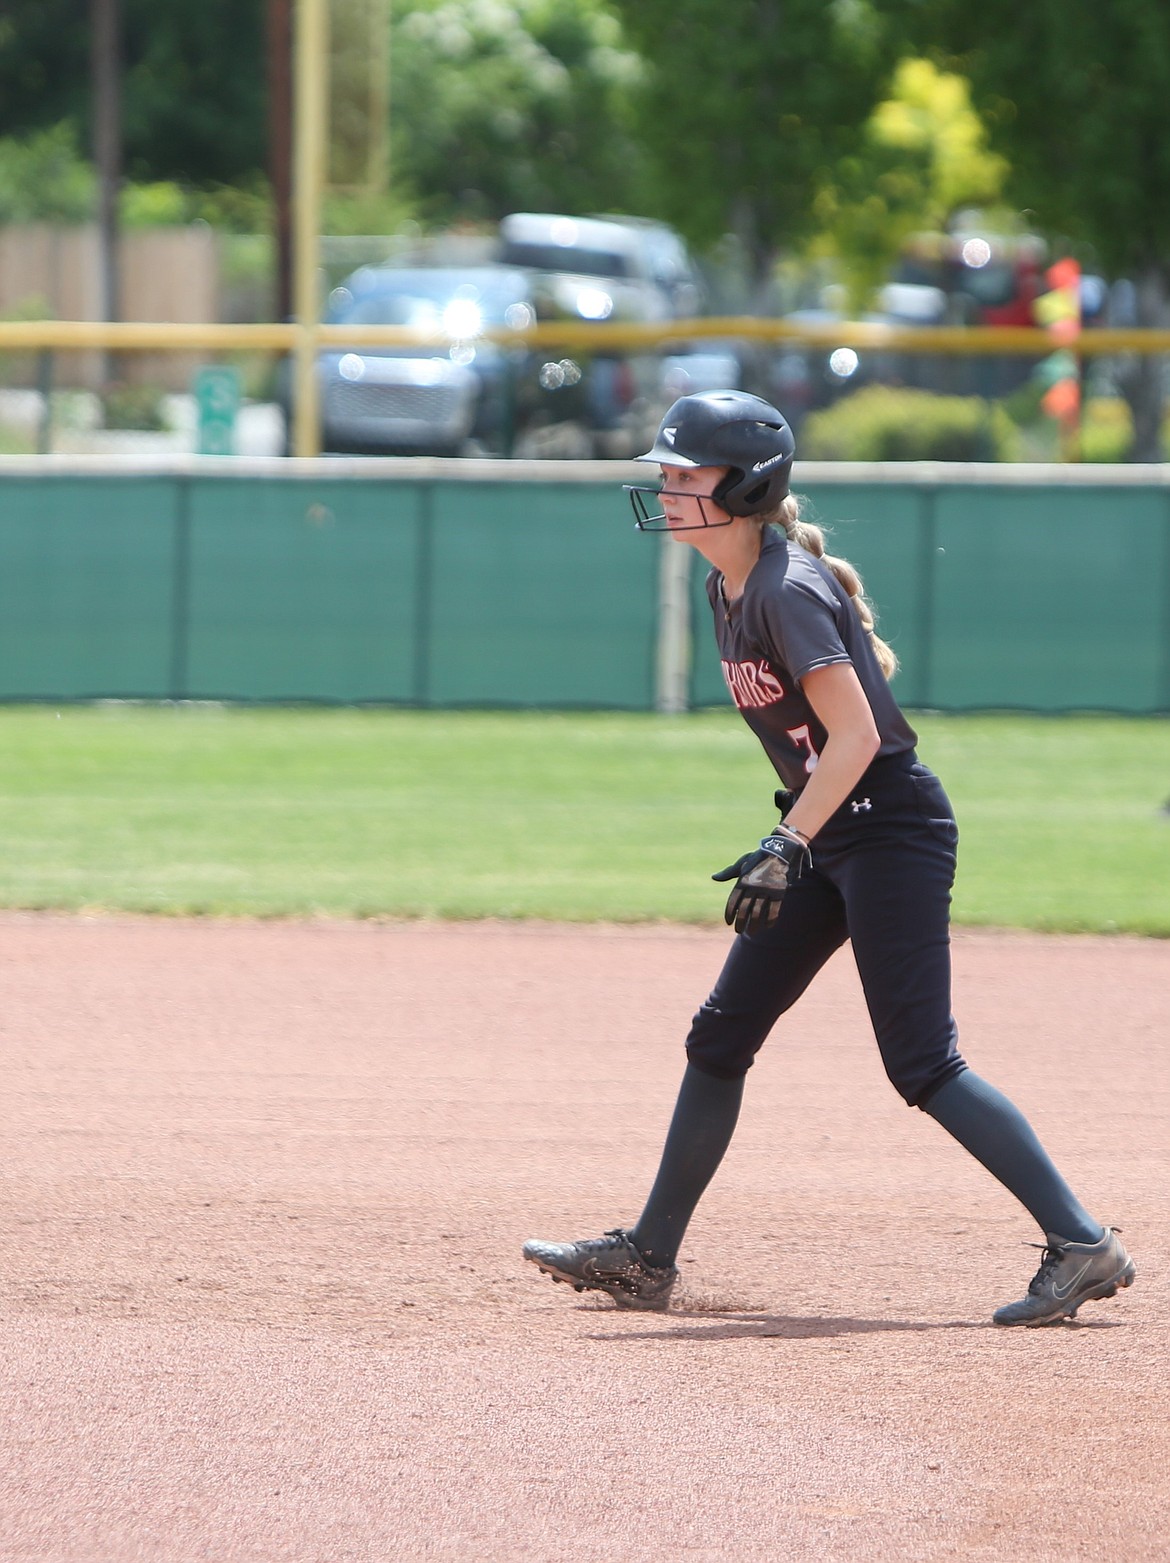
(802, 738)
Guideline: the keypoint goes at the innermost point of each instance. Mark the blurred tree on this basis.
(43, 178)
(194, 91)
(749, 109)
(193, 83)
(498, 105)
(1075, 96)
(494, 104)
(922, 155)
(359, 46)
(44, 66)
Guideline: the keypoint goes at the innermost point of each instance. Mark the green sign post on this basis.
(217, 400)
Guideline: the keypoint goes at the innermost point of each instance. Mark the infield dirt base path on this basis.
(265, 1186)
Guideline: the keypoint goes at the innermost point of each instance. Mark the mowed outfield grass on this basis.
(343, 812)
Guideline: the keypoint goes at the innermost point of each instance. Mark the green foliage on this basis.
(286, 813)
(1023, 404)
(1075, 96)
(193, 83)
(346, 212)
(929, 116)
(745, 110)
(194, 91)
(921, 156)
(160, 204)
(44, 66)
(499, 105)
(244, 208)
(884, 423)
(43, 178)
(1106, 430)
(133, 407)
(15, 442)
(1105, 435)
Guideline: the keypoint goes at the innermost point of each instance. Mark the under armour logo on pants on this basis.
(860, 803)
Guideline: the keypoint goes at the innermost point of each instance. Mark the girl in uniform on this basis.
(864, 851)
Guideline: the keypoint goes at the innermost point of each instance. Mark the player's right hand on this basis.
(762, 877)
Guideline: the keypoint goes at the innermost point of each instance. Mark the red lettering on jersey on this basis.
(752, 684)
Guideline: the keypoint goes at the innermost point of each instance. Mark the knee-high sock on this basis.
(700, 1132)
(996, 1133)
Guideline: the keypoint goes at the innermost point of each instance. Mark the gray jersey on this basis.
(795, 616)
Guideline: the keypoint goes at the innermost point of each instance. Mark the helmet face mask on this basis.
(650, 513)
(731, 429)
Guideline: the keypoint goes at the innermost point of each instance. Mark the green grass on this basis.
(278, 812)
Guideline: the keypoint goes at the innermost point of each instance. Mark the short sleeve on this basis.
(801, 621)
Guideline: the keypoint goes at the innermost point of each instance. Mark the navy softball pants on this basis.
(884, 865)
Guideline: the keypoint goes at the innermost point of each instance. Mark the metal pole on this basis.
(106, 76)
(45, 387)
(279, 36)
(311, 136)
(672, 673)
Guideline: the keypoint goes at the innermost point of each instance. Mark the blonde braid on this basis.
(809, 537)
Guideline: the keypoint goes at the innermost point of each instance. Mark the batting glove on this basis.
(762, 877)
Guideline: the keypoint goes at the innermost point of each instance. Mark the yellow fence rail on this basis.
(161, 336)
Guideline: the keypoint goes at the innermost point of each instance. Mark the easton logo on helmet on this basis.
(668, 435)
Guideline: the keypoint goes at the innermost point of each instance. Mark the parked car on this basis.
(642, 272)
(638, 250)
(668, 263)
(648, 274)
(609, 251)
(455, 393)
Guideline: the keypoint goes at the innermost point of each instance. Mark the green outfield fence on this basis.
(458, 583)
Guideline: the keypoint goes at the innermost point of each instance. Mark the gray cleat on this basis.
(1070, 1274)
(606, 1264)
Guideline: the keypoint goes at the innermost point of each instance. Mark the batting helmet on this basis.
(731, 429)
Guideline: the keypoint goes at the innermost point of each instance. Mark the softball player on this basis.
(864, 851)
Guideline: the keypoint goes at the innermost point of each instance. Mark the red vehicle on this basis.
(989, 279)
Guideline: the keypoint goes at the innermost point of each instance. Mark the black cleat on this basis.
(1070, 1274)
(606, 1264)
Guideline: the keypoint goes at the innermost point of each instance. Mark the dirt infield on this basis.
(264, 1190)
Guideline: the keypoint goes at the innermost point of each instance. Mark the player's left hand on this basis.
(762, 877)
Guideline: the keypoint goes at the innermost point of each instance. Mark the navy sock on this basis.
(700, 1132)
(997, 1134)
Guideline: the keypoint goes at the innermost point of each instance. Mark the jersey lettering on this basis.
(752, 684)
(802, 739)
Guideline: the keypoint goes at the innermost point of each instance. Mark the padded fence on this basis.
(1042, 596)
(524, 584)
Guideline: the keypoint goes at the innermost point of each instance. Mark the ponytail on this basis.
(809, 537)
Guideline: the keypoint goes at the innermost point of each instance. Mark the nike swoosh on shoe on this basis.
(1074, 1283)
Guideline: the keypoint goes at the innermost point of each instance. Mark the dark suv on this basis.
(454, 392)
(433, 398)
